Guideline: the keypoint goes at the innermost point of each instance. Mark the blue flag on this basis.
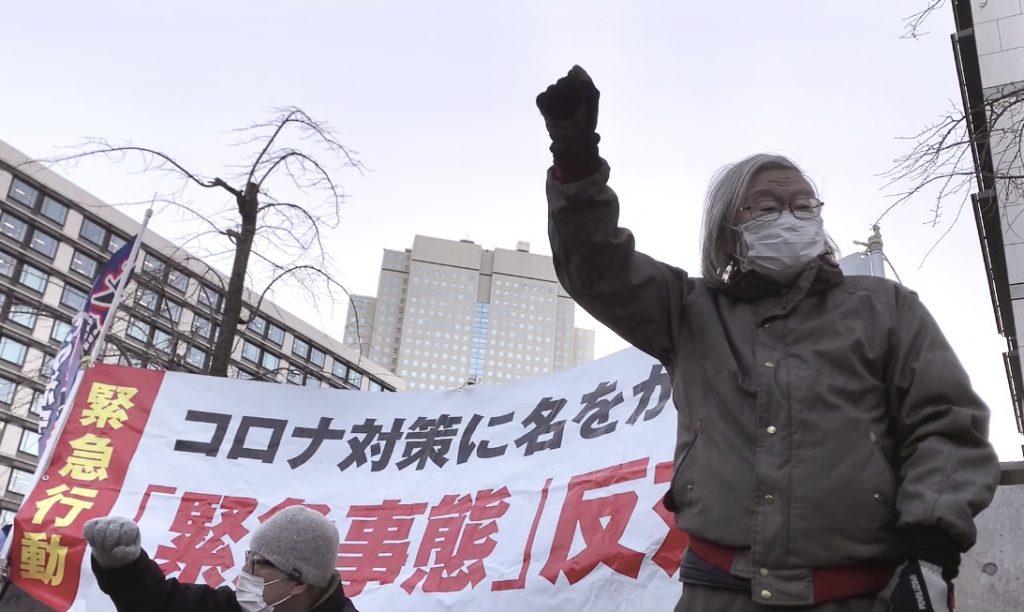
(85, 330)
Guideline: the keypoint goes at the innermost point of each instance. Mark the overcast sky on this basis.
(437, 98)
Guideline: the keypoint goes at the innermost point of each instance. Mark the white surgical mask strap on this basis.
(289, 596)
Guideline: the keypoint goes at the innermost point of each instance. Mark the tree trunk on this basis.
(248, 205)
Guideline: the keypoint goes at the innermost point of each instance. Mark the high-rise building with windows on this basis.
(53, 238)
(988, 51)
(449, 313)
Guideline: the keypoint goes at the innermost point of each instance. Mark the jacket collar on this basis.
(334, 599)
(817, 277)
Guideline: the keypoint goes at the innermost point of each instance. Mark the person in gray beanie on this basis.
(289, 567)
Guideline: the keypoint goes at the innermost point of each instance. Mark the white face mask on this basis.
(780, 248)
(249, 593)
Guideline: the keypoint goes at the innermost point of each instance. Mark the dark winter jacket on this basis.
(140, 586)
(820, 425)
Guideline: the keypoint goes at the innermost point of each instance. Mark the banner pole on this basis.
(129, 264)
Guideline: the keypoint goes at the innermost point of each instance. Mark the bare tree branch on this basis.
(912, 25)
(949, 158)
(280, 233)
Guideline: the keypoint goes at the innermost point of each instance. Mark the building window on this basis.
(196, 357)
(209, 297)
(271, 361)
(12, 351)
(162, 341)
(60, 330)
(257, 354)
(20, 481)
(29, 443)
(44, 244)
(23, 193)
(153, 265)
(354, 377)
(203, 328)
(7, 389)
(7, 263)
(275, 334)
(258, 325)
(265, 329)
(250, 352)
(170, 311)
(317, 356)
(84, 265)
(177, 280)
(36, 405)
(13, 227)
(115, 243)
(147, 298)
(54, 211)
(34, 278)
(23, 315)
(139, 330)
(72, 298)
(300, 348)
(295, 377)
(339, 368)
(93, 232)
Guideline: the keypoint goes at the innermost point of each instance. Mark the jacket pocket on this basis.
(886, 464)
(670, 501)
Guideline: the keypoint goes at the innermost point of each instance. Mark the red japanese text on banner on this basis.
(540, 494)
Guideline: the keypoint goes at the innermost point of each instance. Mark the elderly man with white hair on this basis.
(831, 454)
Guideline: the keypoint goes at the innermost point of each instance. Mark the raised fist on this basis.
(115, 541)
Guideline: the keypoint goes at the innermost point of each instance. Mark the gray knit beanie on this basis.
(300, 542)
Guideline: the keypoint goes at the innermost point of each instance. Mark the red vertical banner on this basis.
(83, 480)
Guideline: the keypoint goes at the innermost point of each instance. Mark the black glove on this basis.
(917, 586)
(569, 108)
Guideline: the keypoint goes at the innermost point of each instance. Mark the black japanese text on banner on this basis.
(543, 494)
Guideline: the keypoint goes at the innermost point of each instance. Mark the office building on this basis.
(989, 61)
(53, 238)
(448, 313)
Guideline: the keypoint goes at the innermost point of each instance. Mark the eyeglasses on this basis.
(252, 562)
(770, 209)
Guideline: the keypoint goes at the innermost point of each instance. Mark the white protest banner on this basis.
(538, 495)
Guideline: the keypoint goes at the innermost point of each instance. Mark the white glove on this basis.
(916, 586)
(115, 541)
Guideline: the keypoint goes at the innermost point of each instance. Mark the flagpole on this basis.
(121, 284)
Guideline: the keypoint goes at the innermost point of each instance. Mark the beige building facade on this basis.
(54, 236)
(449, 313)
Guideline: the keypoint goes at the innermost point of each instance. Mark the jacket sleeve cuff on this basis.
(933, 545)
(573, 165)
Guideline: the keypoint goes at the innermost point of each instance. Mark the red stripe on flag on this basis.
(83, 480)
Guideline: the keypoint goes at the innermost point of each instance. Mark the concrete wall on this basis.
(992, 573)
(999, 30)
